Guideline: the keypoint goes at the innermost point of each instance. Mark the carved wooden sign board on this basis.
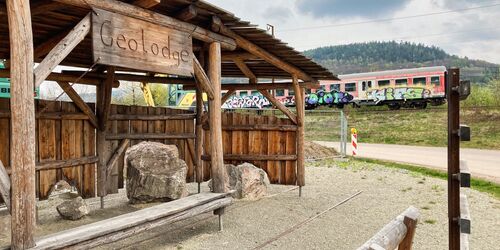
(123, 41)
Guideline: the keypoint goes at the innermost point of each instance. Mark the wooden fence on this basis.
(66, 143)
(265, 141)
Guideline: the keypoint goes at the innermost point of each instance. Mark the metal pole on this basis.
(341, 133)
(453, 82)
(102, 202)
(221, 226)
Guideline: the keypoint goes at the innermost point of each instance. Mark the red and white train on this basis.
(409, 88)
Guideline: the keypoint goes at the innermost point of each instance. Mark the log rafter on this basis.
(245, 70)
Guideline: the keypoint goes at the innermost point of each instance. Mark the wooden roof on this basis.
(51, 19)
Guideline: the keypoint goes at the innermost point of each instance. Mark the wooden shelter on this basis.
(188, 42)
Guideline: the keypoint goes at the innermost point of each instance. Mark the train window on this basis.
(435, 81)
(243, 93)
(334, 87)
(363, 86)
(255, 92)
(350, 87)
(280, 92)
(384, 83)
(291, 92)
(369, 84)
(419, 81)
(400, 82)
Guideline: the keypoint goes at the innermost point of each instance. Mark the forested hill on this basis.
(375, 56)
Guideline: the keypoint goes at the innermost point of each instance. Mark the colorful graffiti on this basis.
(398, 93)
(251, 101)
(286, 100)
(332, 98)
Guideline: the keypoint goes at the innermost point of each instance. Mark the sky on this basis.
(464, 27)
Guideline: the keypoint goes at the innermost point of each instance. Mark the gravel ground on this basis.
(247, 224)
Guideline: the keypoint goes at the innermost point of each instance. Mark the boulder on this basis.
(73, 209)
(249, 181)
(155, 173)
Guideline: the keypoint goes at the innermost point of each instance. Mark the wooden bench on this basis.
(397, 234)
(123, 226)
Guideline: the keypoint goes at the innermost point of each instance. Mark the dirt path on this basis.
(386, 193)
(482, 163)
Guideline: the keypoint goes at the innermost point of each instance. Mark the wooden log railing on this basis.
(397, 234)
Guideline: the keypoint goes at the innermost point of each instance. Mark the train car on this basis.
(408, 88)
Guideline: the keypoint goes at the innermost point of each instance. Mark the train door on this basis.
(362, 88)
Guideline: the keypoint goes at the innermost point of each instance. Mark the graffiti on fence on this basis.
(251, 101)
(322, 97)
(398, 93)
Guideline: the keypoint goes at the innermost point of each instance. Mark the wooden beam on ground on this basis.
(62, 49)
(219, 175)
(260, 86)
(5, 185)
(226, 96)
(187, 13)
(203, 79)
(167, 117)
(300, 109)
(279, 106)
(218, 26)
(5, 73)
(392, 234)
(116, 155)
(146, 4)
(70, 91)
(150, 16)
(23, 139)
(150, 136)
(199, 136)
(245, 70)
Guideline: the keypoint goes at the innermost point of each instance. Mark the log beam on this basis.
(44, 6)
(187, 13)
(203, 79)
(218, 26)
(154, 17)
(5, 73)
(199, 135)
(133, 77)
(146, 4)
(116, 155)
(226, 96)
(279, 105)
(246, 71)
(300, 107)
(260, 86)
(23, 140)
(73, 95)
(124, 117)
(219, 174)
(237, 55)
(62, 49)
(150, 136)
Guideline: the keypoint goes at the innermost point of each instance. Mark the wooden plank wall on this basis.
(240, 144)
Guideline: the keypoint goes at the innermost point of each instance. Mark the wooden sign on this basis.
(124, 41)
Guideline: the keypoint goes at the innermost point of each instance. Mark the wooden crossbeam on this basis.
(245, 70)
(54, 76)
(150, 136)
(116, 155)
(5, 185)
(260, 86)
(123, 117)
(146, 4)
(218, 26)
(44, 6)
(279, 105)
(134, 77)
(62, 49)
(226, 96)
(150, 16)
(73, 95)
(237, 55)
(202, 78)
(187, 13)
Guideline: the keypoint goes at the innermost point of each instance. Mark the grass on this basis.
(430, 221)
(477, 184)
(408, 127)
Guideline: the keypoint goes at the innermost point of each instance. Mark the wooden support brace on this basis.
(226, 96)
(5, 185)
(154, 17)
(218, 26)
(202, 78)
(187, 13)
(116, 155)
(70, 91)
(279, 105)
(246, 71)
(199, 135)
(62, 49)
(300, 108)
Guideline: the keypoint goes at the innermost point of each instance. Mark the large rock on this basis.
(249, 181)
(73, 209)
(155, 173)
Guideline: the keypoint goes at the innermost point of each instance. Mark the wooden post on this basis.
(199, 137)
(219, 175)
(22, 147)
(103, 107)
(300, 106)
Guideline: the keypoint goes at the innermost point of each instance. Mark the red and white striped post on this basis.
(354, 141)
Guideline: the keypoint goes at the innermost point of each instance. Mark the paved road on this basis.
(482, 163)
